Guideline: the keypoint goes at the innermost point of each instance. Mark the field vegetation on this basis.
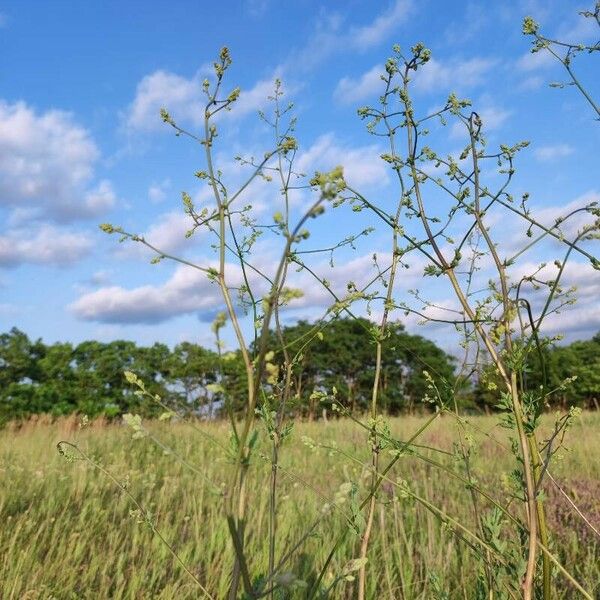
(436, 504)
(70, 532)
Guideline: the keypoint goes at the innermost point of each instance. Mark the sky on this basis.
(82, 143)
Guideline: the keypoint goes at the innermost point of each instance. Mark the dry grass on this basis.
(67, 531)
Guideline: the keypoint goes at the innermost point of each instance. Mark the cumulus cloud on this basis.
(99, 199)
(187, 291)
(435, 76)
(382, 26)
(511, 228)
(492, 117)
(580, 31)
(167, 234)
(445, 76)
(185, 100)
(360, 270)
(553, 152)
(46, 246)
(47, 165)
(531, 65)
(157, 192)
(535, 61)
(183, 96)
(256, 98)
(582, 318)
(332, 36)
(162, 89)
(547, 215)
(362, 164)
(349, 90)
(531, 83)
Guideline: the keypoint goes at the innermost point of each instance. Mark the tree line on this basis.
(88, 378)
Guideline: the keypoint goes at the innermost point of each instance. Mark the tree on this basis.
(191, 369)
(342, 357)
(19, 372)
(57, 390)
(570, 373)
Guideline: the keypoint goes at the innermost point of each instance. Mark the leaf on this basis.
(215, 388)
(355, 565)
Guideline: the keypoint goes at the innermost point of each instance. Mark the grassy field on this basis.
(68, 532)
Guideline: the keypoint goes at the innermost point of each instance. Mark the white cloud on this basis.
(187, 291)
(531, 83)
(47, 165)
(100, 199)
(575, 323)
(46, 246)
(332, 35)
(256, 98)
(162, 89)
(547, 215)
(362, 164)
(168, 233)
(9, 310)
(535, 61)
(350, 90)
(99, 278)
(157, 192)
(584, 316)
(184, 99)
(382, 26)
(360, 270)
(19, 216)
(552, 152)
(438, 76)
(326, 40)
(545, 210)
(581, 31)
(492, 118)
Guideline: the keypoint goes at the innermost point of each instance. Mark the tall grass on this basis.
(496, 509)
(69, 532)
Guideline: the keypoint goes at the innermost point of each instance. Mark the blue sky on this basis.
(81, 143)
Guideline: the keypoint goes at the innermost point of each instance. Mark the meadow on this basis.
(296, 233)
(69, 532)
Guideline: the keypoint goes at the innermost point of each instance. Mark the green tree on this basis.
(56, 390)
(19, 371)
(101, 383)
(581, 360)
(191, 369)
(342, 356)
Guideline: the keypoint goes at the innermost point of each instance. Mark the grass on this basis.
(68, 532)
